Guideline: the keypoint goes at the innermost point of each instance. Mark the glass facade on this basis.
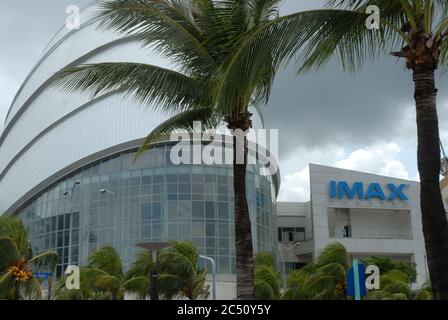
(118, 201)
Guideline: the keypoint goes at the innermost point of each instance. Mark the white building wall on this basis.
(321, 176)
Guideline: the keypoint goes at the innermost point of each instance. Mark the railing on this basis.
(374, 234)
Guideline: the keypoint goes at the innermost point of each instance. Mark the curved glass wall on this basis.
(119, 202)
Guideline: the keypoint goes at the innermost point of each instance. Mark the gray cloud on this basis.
(331, 106)
(26, 26)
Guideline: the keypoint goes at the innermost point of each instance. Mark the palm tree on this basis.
(425, 292)
(104, 274)
(323, 279)
(218, 76)
(18, 264)
(267, 278)
(396, 280)
(87, 290)
(420, 29)
(178, 269)
(386, 264)
(395, 285)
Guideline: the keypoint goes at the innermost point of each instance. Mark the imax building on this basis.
(370, 215)
(67, 169)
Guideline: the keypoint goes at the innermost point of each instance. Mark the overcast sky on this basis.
(363, 121)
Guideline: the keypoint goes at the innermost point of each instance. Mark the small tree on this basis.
(18, 264)
(267, 278)
(178, 269)
(324, 279)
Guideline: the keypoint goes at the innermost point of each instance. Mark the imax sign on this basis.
(342, 189)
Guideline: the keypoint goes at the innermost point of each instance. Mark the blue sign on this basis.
(356, 280)
(43, 275)
(342, 189)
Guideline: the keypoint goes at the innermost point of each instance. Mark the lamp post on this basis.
(76, 183)
(154, 248)
(284, 261)
(212, 261)
(50, 284)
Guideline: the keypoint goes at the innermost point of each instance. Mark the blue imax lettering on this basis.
(342, 189)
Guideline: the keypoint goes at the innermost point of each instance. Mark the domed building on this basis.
(67, 167)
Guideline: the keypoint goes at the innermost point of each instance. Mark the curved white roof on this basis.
(48, 132)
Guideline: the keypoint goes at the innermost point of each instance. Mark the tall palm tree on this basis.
(419, 29)
(216, 79)
(18, 264)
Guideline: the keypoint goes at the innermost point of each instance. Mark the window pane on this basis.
(184, 230)
(198, 209)
(198, 188)
(146, 211)
(223, 230)
(146, 231)
(171, 188)
(172, 230)
(184, 188)
(198, 230)
(223, 210)
(75, 220)
(156, 231)
(156, 211)
(60, 222)
(172, 210)
(210, 230)
(184, 209)
(210, 210)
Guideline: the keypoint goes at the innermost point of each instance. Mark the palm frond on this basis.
(262, 11)
(274, 42)
(181, 121)
(7, 284)
(107, 260)
(333, 253)
(167, 26)
(45, 261)
(164, 88)
(107, 282)
(31, 290)
(138, 285)
(13, 227)
(9, 253)
(142, 265)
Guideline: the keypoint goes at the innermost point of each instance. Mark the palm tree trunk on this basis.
(435, 225)
(243, 231)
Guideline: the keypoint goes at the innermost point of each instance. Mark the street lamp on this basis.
(77, 183)
(284, 261)
(154, 247)
(212, 261)
(108, 191)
